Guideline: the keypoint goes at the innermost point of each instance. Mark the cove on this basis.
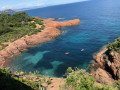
(100, 25)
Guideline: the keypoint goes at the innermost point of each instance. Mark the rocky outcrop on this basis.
(102, 76)
(109, 61)
(99, 57)
(49, 33)
(63, 24)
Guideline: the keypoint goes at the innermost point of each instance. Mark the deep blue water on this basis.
(100, 25)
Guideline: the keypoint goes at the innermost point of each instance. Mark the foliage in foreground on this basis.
(81, 80)
(117, 84)
(115, 46)
(10, 81)
(7, 82)
(75, 80)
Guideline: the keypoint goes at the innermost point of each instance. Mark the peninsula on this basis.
(50, 31)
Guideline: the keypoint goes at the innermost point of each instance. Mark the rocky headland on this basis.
(51, 30)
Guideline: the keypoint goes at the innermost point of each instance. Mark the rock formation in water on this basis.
(51, 30)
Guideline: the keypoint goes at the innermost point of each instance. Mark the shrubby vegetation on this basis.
(117, 84)
(81, 80)
(17, 25)
(115, 45)
(75, 80)
(10, 81)
(7, 82)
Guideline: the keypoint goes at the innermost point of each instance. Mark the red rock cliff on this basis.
(109, 62)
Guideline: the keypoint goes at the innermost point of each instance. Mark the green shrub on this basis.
(115, 45)
(117, 84)
(13, 27)
(48, 82)
(38, 21)
(42, 27)
(79, 80)
(32, 25)
(5, 72)
(9, 81)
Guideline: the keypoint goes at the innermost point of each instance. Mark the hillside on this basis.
(7, 11)
(21, 31)
(108, 64)
(75, 80)
(13, 27)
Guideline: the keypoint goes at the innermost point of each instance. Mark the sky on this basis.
(19, 4)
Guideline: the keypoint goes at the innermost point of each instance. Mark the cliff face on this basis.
(109, 62)
(49, 33)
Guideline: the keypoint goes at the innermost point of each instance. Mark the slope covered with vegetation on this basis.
(76, 80)
(15, 26)
(115, 46)
(21, 81)
(81, 80)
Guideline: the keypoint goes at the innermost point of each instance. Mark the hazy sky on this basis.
(17, 4)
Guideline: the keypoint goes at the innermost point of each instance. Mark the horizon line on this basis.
(37, 7)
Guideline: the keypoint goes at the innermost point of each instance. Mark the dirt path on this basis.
(56, 83)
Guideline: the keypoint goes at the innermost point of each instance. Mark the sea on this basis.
(77, 45)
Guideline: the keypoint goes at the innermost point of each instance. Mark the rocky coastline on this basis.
(109, 66)
(51, 30)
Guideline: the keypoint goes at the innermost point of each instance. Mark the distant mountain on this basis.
(7, 11)
(22, 9)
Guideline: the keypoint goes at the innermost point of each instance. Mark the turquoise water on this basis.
(100, 25)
